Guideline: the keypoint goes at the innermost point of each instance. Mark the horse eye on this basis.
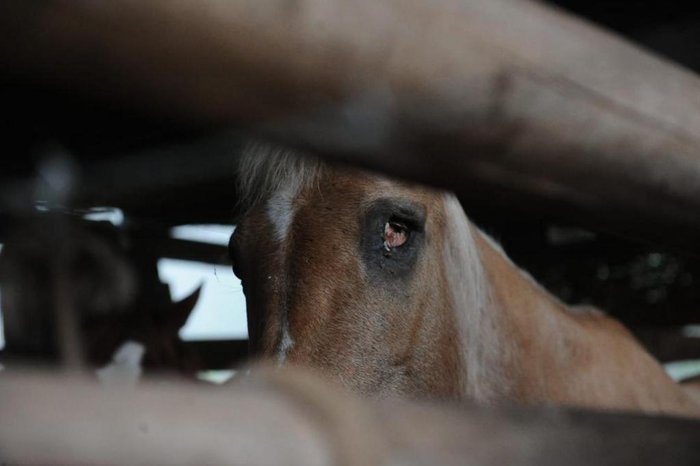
(395, 235)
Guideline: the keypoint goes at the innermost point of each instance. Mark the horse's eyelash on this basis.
(402, 225)
(407, 224)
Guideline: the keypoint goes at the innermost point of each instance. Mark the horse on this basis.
(692, 387)
(388, 288)
(150, 337)
(113, 312)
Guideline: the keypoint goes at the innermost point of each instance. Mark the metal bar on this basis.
(289, 417)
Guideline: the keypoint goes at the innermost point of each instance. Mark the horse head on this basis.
(354, 274)
(388, 288)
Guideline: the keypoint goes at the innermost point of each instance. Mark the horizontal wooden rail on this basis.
(506, 102)
(287, 417)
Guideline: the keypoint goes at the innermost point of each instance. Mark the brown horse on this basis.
(692, 387)
(387, 287)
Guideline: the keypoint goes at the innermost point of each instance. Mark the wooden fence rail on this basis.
(291, 418)
(507, 102)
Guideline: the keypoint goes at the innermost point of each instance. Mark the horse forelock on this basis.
(265, 169)
(274, 176)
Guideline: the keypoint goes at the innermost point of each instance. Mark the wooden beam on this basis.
(505, 102)
(289, 417)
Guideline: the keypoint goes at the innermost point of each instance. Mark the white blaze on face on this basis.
(280, 213)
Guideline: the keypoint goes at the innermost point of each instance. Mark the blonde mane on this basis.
(265, 168)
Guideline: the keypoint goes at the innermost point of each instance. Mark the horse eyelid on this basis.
(406, 223)
(399, 225)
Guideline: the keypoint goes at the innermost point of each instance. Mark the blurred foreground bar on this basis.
(292, 418)
(506, 102)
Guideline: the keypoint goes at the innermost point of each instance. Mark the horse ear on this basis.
(178, 314)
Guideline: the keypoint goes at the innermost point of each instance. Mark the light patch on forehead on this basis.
(280, 213)
(286, 343)
(280, 210)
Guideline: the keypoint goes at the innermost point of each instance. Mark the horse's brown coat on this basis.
(463, 323)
